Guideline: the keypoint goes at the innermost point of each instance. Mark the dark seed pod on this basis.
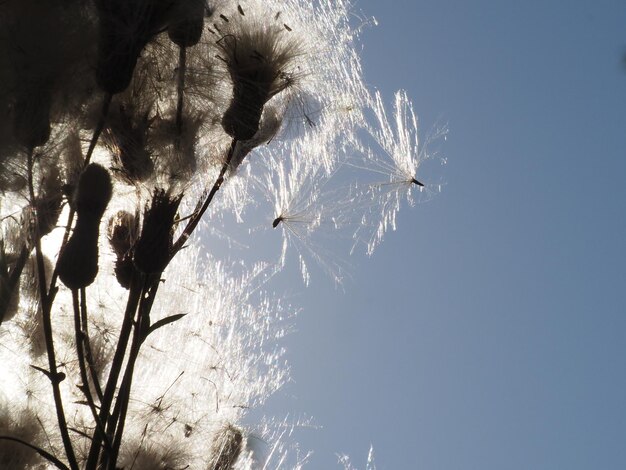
(124, 270)
(127, 137)
(152, 250)
(126, 26)
(78, 263)
(187, 23)
(241, 119)
(122, 234)
(226, 448)
(94, 191)
(47, 204)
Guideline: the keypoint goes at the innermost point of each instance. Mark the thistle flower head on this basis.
(260, 59)
(187, 22)
(152, 251)
(125, 28)
(226, 447)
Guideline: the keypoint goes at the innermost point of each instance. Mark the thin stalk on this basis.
(47, 328)
(197, 215)
(106, 102)
(82, 361)
(87, 345)
(180, 90)
(136, 288)
(118, 417)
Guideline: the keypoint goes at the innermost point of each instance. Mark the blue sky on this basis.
(489, 331)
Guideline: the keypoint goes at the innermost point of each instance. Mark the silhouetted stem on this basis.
(80, 334)
(197, 215)
(118, 417)
(180, 89)
(136, 288)
(87, 345)
(47, 328)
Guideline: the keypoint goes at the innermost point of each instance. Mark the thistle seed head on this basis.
(153, 248)
(260, 61)
(122, 233)
(47, 205)
(187, 22)
(94, 191)
(126, 26)
(78, 263)
(225, 448)
(127, 137)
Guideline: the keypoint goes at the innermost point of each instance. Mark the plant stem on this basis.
(136, 289)
(80, 336)
(197, 215)
(118, 417)
(87, 345)
(47, 328)
(180, 89)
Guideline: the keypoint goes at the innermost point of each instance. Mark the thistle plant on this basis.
(130, 130)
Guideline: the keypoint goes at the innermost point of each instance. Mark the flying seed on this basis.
(414, 181)
(277, 220)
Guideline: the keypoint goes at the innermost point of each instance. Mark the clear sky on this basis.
(489, 331)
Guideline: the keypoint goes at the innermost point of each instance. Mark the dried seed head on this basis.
(269, 126)
(127, 137)
(122, 233)
(152, 250)
(78, 263)
(187, 22)
(259, 59)
(47, 205)
(126, 26)
(94, 191)
(225, 448)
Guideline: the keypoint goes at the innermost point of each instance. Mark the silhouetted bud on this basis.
(78, 264)
(122, 234)
(187, 22)
(126, 26)
(47, 205)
